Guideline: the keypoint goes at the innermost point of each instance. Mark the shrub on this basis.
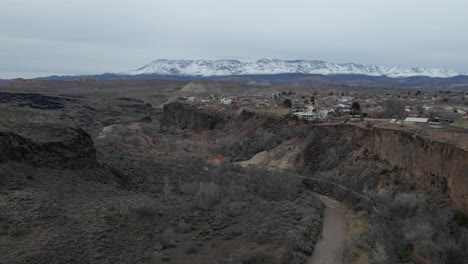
(257, 258)
(122, 131)
(411, 222)
(274, 186)
(167, 189)
(133, 139)
(189, 188)
(192, 249)
(152, 129)
(460, 218)
(384, 171)
(402, 250)
(207, 196)
(146, 212)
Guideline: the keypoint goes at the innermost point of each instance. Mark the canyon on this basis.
(189, 181)
(430, 156)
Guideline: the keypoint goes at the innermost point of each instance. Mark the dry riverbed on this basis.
(331, 246)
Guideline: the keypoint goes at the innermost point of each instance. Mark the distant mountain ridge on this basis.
(457, 83)
(208, 68)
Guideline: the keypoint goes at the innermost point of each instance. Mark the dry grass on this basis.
(275, 111)
(461, 123)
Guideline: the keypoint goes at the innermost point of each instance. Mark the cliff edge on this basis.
(50, 145)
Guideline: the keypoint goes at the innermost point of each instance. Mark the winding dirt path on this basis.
(146, 140)
(331, 247)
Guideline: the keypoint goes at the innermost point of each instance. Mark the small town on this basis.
(415, 107)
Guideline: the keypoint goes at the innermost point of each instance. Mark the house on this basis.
(322, 114)
(346, 99)
(395, 121)
(299, 107)
(442, 120)
(304, 115)
(416, 120)
(226, 101)
(309, 116)
(413, 113)
(310, 109)
(340, 106)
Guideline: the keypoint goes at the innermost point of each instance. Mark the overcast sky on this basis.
(44, 37)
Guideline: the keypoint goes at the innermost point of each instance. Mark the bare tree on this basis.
(394, 109)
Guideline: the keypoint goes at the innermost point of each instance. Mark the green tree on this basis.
(355, 108)
(287, 103)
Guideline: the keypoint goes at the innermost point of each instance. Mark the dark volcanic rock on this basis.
(188, 116)
(34, 100)
(146, 119)
(48, 145)
(127, 99)
(138, 108)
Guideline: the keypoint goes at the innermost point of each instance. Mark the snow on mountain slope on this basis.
(266, 66)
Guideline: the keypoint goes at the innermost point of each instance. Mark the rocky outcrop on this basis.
(50, 145)
(427, 156)
(192, 117)
(440, 164)
(32, 100)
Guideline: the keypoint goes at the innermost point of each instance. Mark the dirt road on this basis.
(145, 140)
(330, 248)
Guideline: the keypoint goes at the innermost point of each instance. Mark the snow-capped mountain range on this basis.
(208, 68)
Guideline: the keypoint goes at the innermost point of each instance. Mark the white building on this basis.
(416, 120)
(309, 116)
(226, 101)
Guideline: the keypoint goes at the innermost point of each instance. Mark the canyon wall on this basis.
(189, 116)
(442, 164)
(433, 156)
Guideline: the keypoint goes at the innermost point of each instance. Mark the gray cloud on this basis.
(84, 37)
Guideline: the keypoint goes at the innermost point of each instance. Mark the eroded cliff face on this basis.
(434, 162)
(55, 146)
(441, 164)
(434, 157)
(188, 116)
